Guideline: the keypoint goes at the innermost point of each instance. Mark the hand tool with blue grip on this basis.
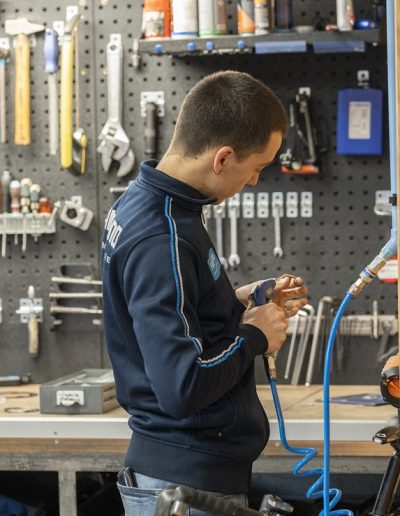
(51, 52)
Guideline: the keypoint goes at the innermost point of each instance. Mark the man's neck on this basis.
(190, 170)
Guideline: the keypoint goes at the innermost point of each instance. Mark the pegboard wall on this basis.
(328, 250)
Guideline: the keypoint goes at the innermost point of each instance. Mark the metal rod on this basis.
(75, 295)
(76, 281)
(74, 310)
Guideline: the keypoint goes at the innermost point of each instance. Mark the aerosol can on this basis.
(156, 21)
(212, 18)
(245, 16)
(185, 20)
(344, 15)
(264, 16)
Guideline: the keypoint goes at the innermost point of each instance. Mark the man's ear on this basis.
(222, 155)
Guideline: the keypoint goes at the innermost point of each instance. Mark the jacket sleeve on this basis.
(161, 286)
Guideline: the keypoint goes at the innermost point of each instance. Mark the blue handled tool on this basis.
(263, 292)
(51, 67)
(51, 51)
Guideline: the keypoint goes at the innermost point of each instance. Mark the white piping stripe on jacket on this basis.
(181, 296)
(177, 270)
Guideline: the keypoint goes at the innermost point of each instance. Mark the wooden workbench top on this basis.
(300, 405)
(298, 402)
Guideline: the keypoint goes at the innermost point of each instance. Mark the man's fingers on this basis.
(292, 307)
(294, 293)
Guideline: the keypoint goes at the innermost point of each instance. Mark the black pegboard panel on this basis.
(61, 351)
(329, 249)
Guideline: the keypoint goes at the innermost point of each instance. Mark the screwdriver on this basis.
(34, 193)
(51, 66)
(25, 202)
(5, 183)
(15, 192)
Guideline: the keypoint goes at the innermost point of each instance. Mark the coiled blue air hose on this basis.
(259, 295)
(314, 492)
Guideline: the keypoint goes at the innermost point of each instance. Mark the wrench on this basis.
(277, 213)
(114, 143)
(206, 214)
(233, 208)
(219, 212)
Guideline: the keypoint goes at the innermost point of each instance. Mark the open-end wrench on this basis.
(114, 143)
(206, 215)
(277, 213)
(233, 211)
(219, 211)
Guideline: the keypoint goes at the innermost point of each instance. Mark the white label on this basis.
(70, 398)
(359, 120)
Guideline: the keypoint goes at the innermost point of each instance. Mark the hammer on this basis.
(22, 28)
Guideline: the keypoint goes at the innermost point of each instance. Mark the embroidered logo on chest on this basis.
(214, 264)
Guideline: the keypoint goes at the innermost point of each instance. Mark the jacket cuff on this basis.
(256, 339)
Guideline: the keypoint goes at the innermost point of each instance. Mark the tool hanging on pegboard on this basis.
(301, 149)
(21, 28)
(51, 51)
(114, 143)
(73, 143)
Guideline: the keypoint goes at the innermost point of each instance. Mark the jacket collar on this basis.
(151, 177)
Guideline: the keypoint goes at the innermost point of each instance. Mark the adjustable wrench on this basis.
(114, 143)
(277, 213)
(219, 212)
(233, 211)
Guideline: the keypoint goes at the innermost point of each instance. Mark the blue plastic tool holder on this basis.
(280, 47)
(336, 46)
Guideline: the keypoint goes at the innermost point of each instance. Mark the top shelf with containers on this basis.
(274, 43)
(199, 27)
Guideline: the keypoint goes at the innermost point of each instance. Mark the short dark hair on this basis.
(229, 108)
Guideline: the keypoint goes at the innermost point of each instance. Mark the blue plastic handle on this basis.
(263, 292)
(51, 51)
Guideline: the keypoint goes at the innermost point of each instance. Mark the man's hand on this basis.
(290, 294)
(271, 320)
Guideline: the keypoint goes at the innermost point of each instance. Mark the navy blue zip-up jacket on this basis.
(183, 363)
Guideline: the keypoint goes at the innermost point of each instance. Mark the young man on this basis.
(182, 342)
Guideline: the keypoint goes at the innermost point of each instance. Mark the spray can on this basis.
(263, 14)
(212, 18)
(185, 19)
(245, 16)
(156, 21)
(344, 15)
(283, 15)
